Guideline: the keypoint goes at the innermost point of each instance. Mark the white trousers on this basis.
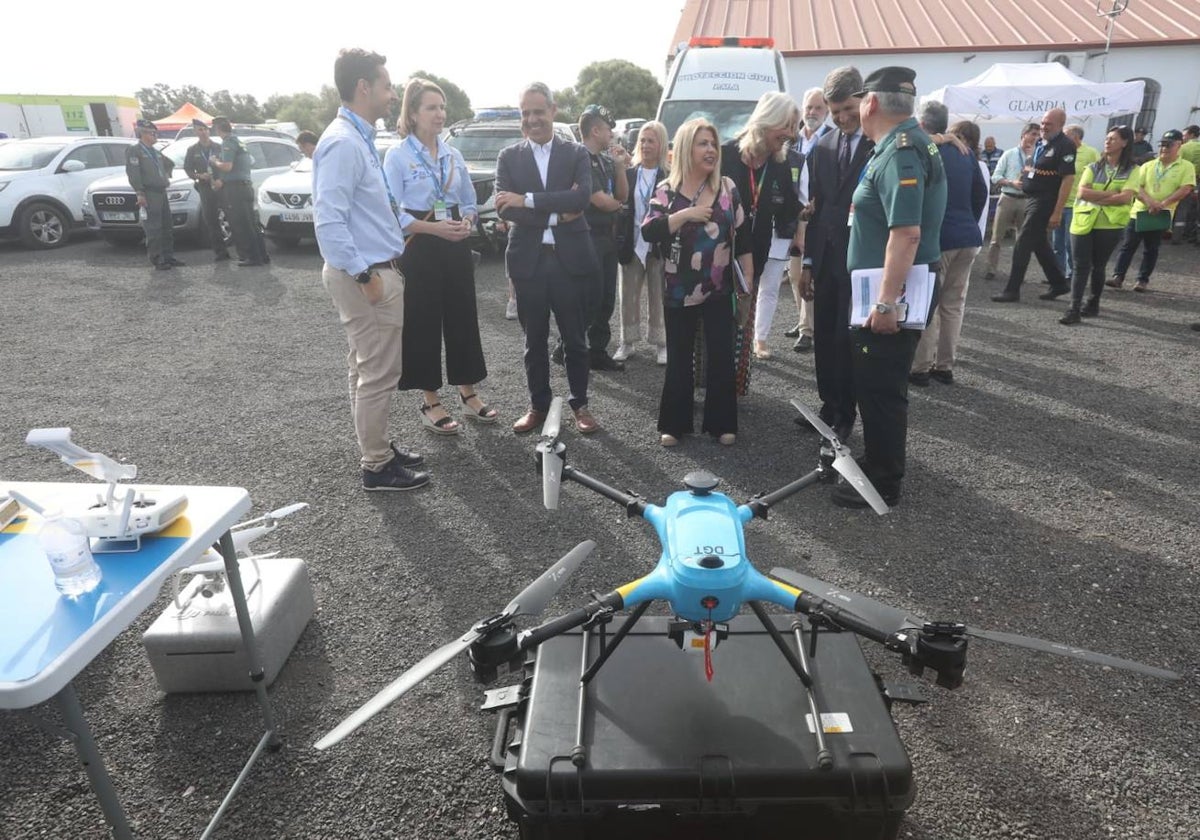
(634, 278)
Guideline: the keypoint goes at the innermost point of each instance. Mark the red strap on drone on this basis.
(708, 666)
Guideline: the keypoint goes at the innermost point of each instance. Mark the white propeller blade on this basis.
(553, 420)
(817, 423)
(845, 464)
(552, 465)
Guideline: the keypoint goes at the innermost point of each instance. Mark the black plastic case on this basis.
(669, 754)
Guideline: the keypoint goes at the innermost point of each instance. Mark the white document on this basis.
(917, 293)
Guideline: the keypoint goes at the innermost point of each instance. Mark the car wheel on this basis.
(44, 226)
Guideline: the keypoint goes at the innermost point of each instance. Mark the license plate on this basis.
(118, 217)
(296, 217)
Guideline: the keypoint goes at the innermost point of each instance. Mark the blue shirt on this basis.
(417, 180)
(966, 194)
(352, 212)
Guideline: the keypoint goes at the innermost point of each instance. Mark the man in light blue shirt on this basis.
(360, 239)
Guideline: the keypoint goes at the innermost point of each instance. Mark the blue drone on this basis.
(706, 577)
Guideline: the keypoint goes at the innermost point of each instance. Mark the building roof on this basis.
(824, 27)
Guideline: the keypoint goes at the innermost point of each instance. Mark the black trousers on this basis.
(1150, 239)
(676, 407)
(239, 208)
(439, 302)
(1090, 254)
(210, 211)
(553, 289)
(1033, 240)
(602, 296)
(832, 341)
(881, 366)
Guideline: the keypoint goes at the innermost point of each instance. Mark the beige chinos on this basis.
(1010, 211)
(375, 335)
(634, 278)
(939, 341)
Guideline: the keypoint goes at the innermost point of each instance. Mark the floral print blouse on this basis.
(703, 268)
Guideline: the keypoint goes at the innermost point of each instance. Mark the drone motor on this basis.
(942, 646)
(496, 654)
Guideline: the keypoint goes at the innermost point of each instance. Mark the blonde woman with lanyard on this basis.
(696, 218)
(641, 262)
(433, 190)
(1102, 206)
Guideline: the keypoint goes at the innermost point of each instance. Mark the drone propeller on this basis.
(844, 462)
(551, 455)
(532, 600)
(892, 620)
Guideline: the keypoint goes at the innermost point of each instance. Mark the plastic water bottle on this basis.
(66, 545)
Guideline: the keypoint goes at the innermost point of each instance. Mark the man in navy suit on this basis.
(835, 167)
(543, 184)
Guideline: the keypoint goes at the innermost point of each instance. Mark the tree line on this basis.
(626, 89)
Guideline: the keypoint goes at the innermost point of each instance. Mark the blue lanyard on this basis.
(439, 187)
(1037, 151)
(368, 134)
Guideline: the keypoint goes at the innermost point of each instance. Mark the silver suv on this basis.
(110, 206)
(43, 180)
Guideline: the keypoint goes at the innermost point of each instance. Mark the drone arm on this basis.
(95, 464)
(534, 636)
(634, 505)
(760, 505)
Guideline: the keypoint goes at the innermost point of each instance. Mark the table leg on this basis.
(234, 575)
(68, 704)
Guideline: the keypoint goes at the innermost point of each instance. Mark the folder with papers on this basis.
(917, 293)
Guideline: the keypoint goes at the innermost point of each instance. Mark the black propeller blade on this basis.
(530, 602)
(892, 620)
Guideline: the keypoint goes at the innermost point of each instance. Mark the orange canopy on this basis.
(183, 117)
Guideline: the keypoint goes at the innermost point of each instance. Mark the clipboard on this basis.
(917, 293)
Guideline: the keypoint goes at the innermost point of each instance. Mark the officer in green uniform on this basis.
(895, 223)
(149, 174)
(232, 173)
(197, 165)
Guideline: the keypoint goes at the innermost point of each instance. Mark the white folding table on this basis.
(49, 639)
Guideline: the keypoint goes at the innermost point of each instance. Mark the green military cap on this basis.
(890, 80)
(145, 125)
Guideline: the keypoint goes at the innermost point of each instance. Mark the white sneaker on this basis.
(624, 351)
(662, 355)
(510, 311)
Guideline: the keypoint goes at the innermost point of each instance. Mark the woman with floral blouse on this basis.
(696, 218)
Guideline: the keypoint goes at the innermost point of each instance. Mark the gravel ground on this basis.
(1051, 492)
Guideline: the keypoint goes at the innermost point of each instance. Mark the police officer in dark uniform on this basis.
(232, 177)
(896, 224)
(149, 173)
(196, 163)
(1047, 183)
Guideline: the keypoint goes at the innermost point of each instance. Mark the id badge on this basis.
(676, 252)
(850, 217)
(439, 211)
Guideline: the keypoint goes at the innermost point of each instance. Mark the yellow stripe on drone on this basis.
(791, 590)
(627, 590)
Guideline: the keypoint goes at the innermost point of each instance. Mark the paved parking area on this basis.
(1052, 492)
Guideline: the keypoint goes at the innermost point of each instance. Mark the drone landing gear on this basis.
(799, 662)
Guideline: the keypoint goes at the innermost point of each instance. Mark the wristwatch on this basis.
(363, 277)
(885, 308)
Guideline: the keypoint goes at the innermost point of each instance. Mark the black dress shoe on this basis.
(1054, 292)
(248, 263)
(844, 495)
(1090, 309)
(843, 430)
(794, 332)
(605, 362)
(946, 377)
(1006, 297)
(803, 344)
(921, 379)
(174, 261)
(163, 266)
(1071, 317)
(221, 257)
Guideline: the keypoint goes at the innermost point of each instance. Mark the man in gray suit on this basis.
(149, 173)
(543, 183)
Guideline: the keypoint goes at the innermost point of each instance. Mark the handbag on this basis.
(1151, 220)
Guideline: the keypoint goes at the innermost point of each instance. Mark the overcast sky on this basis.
(490, 48)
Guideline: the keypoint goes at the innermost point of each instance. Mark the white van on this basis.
(721, 80)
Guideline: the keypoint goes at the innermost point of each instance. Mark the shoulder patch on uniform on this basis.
(1068, 158)
(908, 182)
(903, 141)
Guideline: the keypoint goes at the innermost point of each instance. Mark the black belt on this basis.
(393, 264)
(227, 181)
(1013, 194)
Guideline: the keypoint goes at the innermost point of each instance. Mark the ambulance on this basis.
(721, 80)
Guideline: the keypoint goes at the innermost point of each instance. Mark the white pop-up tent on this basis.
(1023, 92)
